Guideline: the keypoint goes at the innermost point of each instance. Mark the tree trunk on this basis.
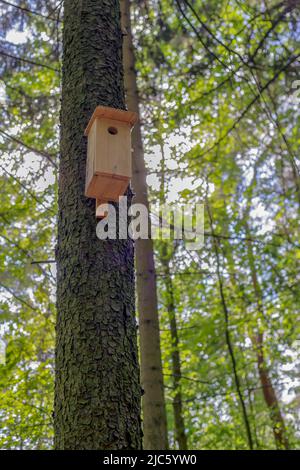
(154, 413)
(270, 397)
(269, 393)
(229, 343)
(97, 390)
(180, 433)
(268, 390)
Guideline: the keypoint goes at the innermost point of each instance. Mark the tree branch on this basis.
(48, 156)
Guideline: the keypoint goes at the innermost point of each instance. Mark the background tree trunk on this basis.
(97, 390)
(180, 433)
(269, 393)
(154, 413)
(257, 339)
(166, 251)
(229, 342)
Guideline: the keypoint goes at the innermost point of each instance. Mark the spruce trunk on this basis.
(154, 413)
(97, 390)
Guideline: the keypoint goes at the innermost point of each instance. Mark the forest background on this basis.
(219, 106)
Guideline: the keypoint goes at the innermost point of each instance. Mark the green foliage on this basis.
(223, 119)
(29, 144)
(220, 127)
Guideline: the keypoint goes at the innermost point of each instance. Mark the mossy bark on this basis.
(154, 412)
(97, 389)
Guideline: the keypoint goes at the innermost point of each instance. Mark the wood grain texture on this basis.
(108, 158)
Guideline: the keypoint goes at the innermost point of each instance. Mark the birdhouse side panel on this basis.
(91, 158)
(113, 148)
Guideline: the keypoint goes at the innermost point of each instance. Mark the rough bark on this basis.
(153, 404)
(97, 389)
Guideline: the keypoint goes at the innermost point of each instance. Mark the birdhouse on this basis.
(108, 168)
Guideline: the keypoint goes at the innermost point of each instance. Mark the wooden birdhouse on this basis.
(108, 168)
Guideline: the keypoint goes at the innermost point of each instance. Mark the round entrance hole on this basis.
(112, 130)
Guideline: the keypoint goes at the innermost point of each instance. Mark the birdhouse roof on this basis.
(112, 113)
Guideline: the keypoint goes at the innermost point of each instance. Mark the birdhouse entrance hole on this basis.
(112, 130)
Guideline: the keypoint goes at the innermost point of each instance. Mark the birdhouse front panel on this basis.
(108, 170)
(113, 147)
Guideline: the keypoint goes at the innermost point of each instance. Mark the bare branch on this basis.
(47, 155)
